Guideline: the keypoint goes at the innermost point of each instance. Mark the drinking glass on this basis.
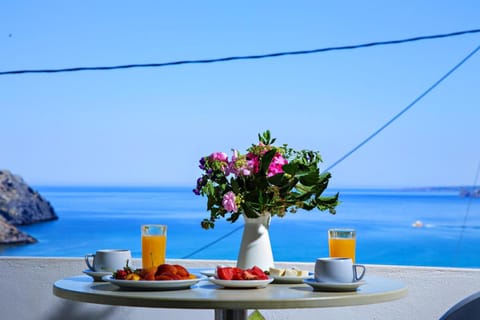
(154, 245)
(341, 243)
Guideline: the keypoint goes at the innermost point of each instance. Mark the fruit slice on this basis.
(234, 273)
(226, 273)
(260, 275)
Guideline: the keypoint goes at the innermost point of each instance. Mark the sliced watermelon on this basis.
(225, 273)
(258, 273)
(234, 273)
(229, 273)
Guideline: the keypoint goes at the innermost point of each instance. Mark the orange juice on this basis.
(153, 250)
(154, 245)
(342, 248)
(341, 243)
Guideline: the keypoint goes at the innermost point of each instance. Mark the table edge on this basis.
(153, 302)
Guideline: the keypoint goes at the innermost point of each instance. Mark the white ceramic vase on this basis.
(255, 249)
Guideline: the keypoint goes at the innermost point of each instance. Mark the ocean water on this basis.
(92, 218)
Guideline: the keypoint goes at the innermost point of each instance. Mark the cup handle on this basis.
(87, 261)
(356, 277)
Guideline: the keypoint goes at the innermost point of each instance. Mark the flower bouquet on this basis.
(267, 179)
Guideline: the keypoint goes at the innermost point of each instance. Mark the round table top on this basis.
(206, 295)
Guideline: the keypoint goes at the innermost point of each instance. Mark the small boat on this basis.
(418, 224)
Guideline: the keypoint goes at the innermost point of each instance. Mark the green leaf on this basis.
(265, 138)
(290, 168)
(310, 179)
(266, 160)
(249, 211)
(331, 200)
(277, 180)
(256, 315)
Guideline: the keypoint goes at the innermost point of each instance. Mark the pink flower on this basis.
(228, 202)
(276, 166)
(219, 156)
(218, 161)
(253, 162)
(243, 171)
(239, 166)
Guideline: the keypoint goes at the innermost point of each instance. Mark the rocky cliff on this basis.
(11, 235)
(20, 205)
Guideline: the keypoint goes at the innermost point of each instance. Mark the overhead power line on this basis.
(212, 243)
(433, 86)
(250, 57)
(465, 219)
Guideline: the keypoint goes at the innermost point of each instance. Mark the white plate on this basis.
(289, 279)
(208, 273)
(97, 275)
(241, 283)
(153, 285)
(333, 287)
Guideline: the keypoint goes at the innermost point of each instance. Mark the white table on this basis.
(229, 303)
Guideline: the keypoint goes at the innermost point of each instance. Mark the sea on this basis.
(422, 227)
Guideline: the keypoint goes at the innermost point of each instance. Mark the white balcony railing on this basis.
(26, 293)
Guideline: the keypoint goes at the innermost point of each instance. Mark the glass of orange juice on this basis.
(154, 245)
(341, 243)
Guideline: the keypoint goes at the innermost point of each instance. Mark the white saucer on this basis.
(333, 287)
(289, 279)
(97, 275)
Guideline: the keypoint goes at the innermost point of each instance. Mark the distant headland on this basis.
(463, 191)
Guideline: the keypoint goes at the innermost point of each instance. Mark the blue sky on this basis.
(150, 126)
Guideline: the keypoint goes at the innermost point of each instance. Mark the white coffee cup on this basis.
(338, 270)
(109, 260)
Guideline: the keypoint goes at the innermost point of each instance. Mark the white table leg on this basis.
(230, 314)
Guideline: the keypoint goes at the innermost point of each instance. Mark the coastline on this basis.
(101, 217)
